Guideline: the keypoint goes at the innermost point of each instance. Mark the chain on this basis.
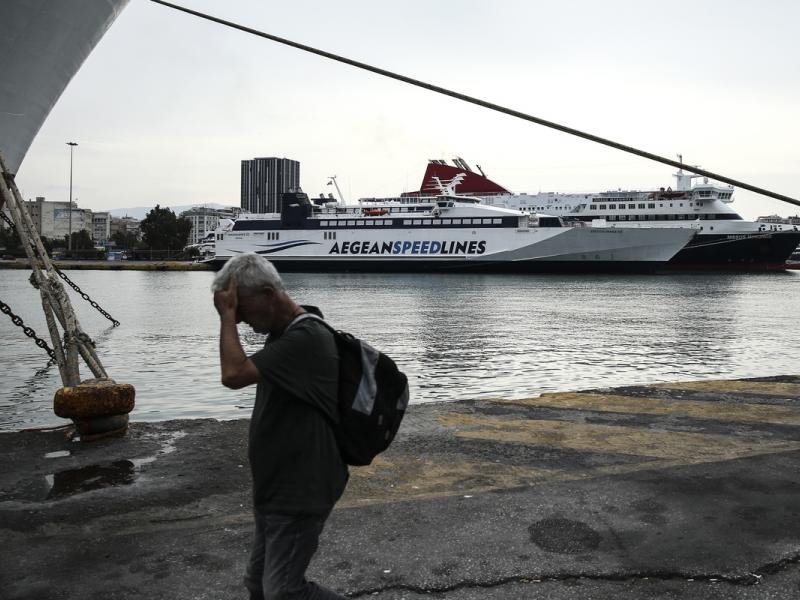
(63, 276)
(85, 296)
(8, 220)
(6, 309)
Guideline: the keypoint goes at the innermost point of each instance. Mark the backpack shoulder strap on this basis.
(334, 422)
(308, 315)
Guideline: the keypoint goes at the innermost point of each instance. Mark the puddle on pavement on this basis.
(69, 482)
(93, 477)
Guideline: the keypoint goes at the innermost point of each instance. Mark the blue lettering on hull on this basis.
(426, 247)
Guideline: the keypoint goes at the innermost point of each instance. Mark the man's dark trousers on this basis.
(283, 547)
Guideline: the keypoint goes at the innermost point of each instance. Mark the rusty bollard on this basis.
(98, 407)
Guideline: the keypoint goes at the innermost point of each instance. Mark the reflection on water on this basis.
(456, 336)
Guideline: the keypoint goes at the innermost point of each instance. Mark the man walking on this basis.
(298, 473)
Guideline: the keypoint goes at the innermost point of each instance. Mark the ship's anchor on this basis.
(99, 406)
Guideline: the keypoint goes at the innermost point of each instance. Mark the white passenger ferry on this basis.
(448, 233)
(724, 239)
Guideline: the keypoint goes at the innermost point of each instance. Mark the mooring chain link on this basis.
(6, 309)
(61, 274)
(8, 220)
(86, 297)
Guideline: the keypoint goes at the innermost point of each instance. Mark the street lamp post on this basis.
(69, 238)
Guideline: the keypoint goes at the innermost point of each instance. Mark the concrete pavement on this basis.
(670, 491)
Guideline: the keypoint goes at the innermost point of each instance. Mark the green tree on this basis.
(162, 230)
(81, 240)
(126, 240)
(58, 242)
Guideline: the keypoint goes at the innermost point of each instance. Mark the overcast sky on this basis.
(167, 105)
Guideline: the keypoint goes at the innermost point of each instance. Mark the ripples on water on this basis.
(456, 336)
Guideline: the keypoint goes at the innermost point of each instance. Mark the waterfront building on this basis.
(101, 227)
(203, 220)
(52, 219)
(206, 219)
(125, 224)
(264, 180)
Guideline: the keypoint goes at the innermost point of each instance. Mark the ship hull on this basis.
(464, 250)
(42, 47)
(766, 251)
(316, 265)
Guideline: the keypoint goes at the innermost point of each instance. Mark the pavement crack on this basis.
(777, 566)
(749, 579)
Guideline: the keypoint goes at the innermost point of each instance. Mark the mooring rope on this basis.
(485, 104)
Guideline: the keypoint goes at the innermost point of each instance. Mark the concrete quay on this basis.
(113, 265)
(680, 490)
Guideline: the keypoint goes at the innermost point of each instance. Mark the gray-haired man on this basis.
(298, 474)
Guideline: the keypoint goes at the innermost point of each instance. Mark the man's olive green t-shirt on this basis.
(294, 458)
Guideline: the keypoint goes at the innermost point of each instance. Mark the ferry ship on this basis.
(447, 233)
(724, 239)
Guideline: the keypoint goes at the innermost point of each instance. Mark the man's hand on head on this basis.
(227, 301)
(238, 371)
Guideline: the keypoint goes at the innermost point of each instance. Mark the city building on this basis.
(126, 225)
(52, 219)
(264, 180)
(205, 220)
(101, 227)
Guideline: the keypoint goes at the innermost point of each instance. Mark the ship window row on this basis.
(697, 194)
(640, 206)
(672, 217)
(622, 206)
(398, 209)
(710, 194)
(524, 208)
(355, 223)
(410, 222)
(417, 222)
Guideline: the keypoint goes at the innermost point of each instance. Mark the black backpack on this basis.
(372, 396)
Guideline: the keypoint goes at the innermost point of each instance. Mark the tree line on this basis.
(161, 230)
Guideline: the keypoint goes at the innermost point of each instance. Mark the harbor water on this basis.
(456, 336)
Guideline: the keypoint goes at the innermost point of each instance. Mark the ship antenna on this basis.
(332, 181)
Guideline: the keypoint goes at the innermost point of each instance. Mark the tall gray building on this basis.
(265, 179)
